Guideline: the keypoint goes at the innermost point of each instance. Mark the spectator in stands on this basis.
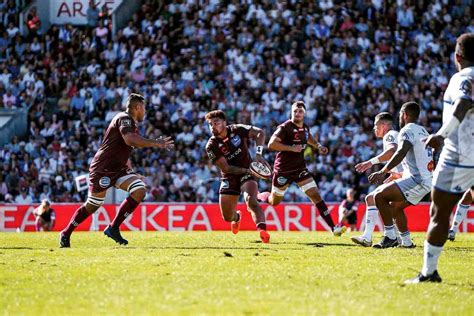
(45, 217)
(92, 14)
(33, 23)
(24, 197)
(348, 62)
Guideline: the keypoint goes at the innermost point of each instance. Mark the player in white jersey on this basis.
(383, 128)
(454, 173)
(417, 165)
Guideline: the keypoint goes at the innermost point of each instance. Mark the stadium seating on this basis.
(347, 61)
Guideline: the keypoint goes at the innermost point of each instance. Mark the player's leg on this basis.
(229, 193)
(134, 185)
(250, 190)
(371, 216)
(383, 198)
(228, 206)
(441, 207)
(401, 223)
(341, 216)
(449, 183)
(310, 188)
(460, 213)
(38, 223)
(279, 186)
(92, 204)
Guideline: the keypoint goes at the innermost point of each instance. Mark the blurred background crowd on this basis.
(348, 60)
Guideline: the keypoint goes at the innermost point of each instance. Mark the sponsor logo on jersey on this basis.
(466, 87)
(126, 123)
(224, 184)
(211, 155)
(234, 154)
(245, 178)
(282, 180)
(458, 188)
(303, 173)
(104, 182)
(236, 141)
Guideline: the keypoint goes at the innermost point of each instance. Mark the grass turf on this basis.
(221, 273)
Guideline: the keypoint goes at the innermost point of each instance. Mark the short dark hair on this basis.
(299, 104)
(466, 46)
(384, 116)
(215, 114)
(133, 99)
(412, 109)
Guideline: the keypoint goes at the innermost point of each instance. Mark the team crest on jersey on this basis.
(282, 180)
(126, 123)
(236, 141)
(390, 139)
(211, 155)
(225, 150)
(104, 182)
(303, 173)
(224, 184)
(466, 87)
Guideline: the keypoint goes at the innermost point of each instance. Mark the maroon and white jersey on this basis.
(234, 148)
(291, 135)
(113, 153)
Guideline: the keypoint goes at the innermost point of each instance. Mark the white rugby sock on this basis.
(431, 256)
(406, 238)
(389, 231)
(461, 211)
(370, 219)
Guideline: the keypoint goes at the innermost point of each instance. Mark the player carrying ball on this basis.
(228, 150)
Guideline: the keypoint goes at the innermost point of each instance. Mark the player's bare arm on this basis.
(222, 164)
(378, 177)
(137, 141)
(461, 106)
(276, 144)
(384, 156)
(320, 148)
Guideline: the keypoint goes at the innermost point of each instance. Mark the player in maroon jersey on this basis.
(111, 167)
(290, 140)
(228, 150)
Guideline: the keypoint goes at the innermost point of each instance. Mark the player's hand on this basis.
(434, 141)
(393, 176)
(363, 166)
(323, 150)
(377, 177)
(296, 148)
(165, 143)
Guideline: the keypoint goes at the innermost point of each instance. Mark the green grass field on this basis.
(219, 273)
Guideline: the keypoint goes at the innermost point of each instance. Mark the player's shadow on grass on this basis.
(467, 249)
(19, 248)
(324, 244)
(197, 248)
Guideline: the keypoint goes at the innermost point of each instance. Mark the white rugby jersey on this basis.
(418, 163)
(392, 138)
(459, 146)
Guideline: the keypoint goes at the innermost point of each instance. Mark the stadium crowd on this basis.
(348, 60)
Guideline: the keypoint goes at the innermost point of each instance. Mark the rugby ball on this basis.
(261, 170)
